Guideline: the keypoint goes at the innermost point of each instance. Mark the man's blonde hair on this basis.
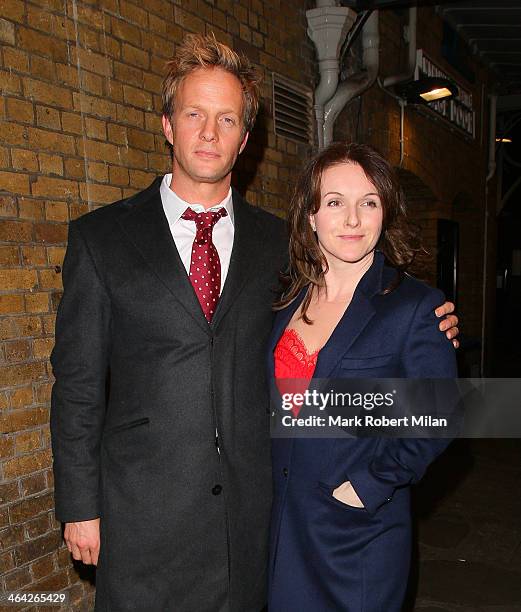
(204, 51)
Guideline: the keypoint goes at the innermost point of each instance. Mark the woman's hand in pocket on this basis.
(347, 495)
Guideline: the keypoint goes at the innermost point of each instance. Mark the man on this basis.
(160, 408)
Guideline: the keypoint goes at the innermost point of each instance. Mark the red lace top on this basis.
(294, 366)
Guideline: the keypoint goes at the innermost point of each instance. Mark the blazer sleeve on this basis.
(80, 365)
(398, 462)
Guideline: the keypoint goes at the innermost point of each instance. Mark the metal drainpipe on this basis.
(412, 32)
(491, 172)
(328, 25)
(356, 84)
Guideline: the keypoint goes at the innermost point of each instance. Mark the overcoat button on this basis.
(285, 471)
(217, 490)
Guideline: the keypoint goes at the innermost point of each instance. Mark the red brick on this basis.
(43, 68)
(32, 40)
(97, 171)
(93, 106)
(20, 374)
(36, 302)
(117, 133)
(51, 164)
(11, 536)
(37, 548)
(33, 484)
(18, 279)
(10, 256)
(123, 30)
(9, 492)
(42, 347)
(55, 582)
(137, 97)
(24, 159)
(11, 304)
(95, 128)
(27, 464)
(74, 169)
(135, 56)
(93, 62)
(132, 116)
(50, 141)
(71, 122)
(6, 562)
(17, 351)
(37, 527)
(48, 117)
(15, 182)
(20, 110)
(31, 209)
(43, 567)
(33, 256)
(27, 441)
(54, 188)
(6, 447)
(133, 13)
(16, 59)
(99, 193)
(17, 579)
(19, 398)
(50, 233)
(103, 151)
(56, 211)
(10, 83)
(50, 279)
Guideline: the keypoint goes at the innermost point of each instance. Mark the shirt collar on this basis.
(174, 206)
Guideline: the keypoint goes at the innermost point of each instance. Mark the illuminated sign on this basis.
(459, 110)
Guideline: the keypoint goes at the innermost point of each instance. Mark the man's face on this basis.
(206, 129)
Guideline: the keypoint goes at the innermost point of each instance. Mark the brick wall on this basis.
(443, 171)
(80, 127)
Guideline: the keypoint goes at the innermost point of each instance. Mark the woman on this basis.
(341, 526)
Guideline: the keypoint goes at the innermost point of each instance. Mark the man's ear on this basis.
(243, 143)
(167, 129)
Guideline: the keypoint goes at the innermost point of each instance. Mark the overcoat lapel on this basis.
(147, 227)
(356, 317)
(247, 249)
(353, 322)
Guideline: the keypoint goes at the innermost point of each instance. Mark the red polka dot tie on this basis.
(205, 265)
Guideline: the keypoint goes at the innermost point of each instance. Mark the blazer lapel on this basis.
(147, 227)
(356, 317)
(247, 245)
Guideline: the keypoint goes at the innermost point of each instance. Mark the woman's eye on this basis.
(370, 203)
(333, 203)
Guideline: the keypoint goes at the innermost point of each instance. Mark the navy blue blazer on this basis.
(326, 555)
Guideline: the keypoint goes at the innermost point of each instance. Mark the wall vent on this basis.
(292, 110)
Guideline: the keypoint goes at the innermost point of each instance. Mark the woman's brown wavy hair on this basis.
(399, 240)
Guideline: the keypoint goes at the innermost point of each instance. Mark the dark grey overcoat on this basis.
(142, 384)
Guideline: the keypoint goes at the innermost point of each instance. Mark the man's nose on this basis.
(209, 130)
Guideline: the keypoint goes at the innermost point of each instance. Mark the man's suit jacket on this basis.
(326, 555)
(142, 384)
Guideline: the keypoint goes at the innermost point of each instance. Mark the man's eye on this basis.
(229, 121)
(193, 114)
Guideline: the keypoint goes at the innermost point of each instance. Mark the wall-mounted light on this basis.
(427, 89)
(503, 139)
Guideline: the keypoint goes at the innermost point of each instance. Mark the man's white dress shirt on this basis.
(183, 231)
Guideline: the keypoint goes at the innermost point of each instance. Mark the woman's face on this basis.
(349, 220)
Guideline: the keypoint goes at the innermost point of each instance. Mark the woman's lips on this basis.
(349, 237)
